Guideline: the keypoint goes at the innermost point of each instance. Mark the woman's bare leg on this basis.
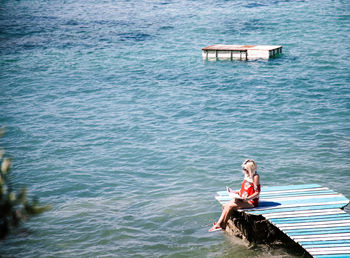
(228, 208)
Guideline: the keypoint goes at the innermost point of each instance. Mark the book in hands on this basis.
(233, 193)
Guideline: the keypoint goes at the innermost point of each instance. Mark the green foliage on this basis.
(14, 206)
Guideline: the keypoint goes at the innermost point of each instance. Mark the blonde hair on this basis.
(251, 166)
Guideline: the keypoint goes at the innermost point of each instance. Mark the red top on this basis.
(247, 189)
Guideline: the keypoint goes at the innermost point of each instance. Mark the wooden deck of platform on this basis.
(311, 215)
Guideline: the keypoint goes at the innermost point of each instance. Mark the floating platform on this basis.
(310, 215)
(240, 52)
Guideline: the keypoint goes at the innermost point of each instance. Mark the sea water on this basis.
(114, 119)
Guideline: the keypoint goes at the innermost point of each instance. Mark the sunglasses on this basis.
(244, 169)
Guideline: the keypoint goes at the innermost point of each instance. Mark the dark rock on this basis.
(257, 230)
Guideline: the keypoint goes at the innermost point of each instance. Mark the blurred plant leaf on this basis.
(14, 207)
(6, 165)
(2, 131)
(2, 152)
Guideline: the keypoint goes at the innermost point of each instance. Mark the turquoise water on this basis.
(115, 120)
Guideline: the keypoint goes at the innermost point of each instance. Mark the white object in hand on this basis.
(233, 193)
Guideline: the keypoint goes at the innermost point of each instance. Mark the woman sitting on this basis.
(249, 192)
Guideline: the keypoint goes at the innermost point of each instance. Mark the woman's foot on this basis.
(215, 227)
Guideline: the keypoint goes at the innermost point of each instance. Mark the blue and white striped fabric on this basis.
(309, 214)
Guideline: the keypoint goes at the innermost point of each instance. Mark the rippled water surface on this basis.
(115, 120)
